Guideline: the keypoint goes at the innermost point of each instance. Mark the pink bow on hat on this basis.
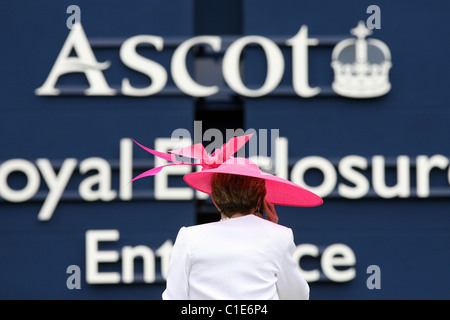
(197, 151)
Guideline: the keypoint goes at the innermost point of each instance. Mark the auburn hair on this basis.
(235, 193)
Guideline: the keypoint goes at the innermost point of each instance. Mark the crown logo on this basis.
(361, 66)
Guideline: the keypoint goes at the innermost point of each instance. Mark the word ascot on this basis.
(350, 177)
(86, 62)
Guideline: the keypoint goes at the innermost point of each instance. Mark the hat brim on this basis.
(279, 191)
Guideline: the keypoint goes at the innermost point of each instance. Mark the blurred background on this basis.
(350, 98)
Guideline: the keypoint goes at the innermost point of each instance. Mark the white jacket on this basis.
(244, 258)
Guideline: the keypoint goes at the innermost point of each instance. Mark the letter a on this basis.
(374, 280)
(374, 21)
(74, 17)
(73, 282)
(84, 62)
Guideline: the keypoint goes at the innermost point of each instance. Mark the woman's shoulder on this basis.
(236, 231)
(269, 224)
(248, 224)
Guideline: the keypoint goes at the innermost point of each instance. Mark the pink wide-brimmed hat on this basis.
(279, 191)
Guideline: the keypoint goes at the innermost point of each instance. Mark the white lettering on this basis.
(133, 60)
(423, 166)
(128, 256)
(335, 255)
(126, 169)
(311, 250)
(314, 162)
(94, 256)
(346, 169)
(402, 188)
(84, 62)
(300, 66)
(231, 66)
(162, 190)
(354, 172)
(179, 71)
(31, 187)
(56, 184)
(164, 253)
(102, 180)
(281, 157)
(338, 255)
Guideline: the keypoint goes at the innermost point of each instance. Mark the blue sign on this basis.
(349, 100)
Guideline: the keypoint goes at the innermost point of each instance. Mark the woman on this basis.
(242, 256)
